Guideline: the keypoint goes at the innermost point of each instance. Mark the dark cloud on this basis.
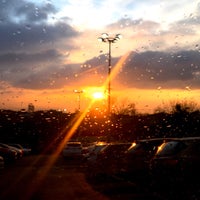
(24, 25)
(8, 60)
(24, 11)
(32, 13)
(48, 78)
(28, 52)
(154, 69)
(36, 71)
(15, 37)
(151, 69)
(29, 59)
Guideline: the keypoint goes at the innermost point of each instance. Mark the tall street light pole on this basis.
(79, 92)
(106, 38)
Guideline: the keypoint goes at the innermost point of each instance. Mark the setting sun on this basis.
(98, 95)
(95, 93)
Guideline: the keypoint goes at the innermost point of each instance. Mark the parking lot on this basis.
(31, 178)
(48, 177)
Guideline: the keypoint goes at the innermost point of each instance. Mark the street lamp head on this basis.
(104, 35)
(79, 91)
(106, 38)
(100, 39)
(118, 36)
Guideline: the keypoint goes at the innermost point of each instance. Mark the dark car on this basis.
(110, 158)
(190, 160)
(17, 150)
(166, 159)
(137, 157)
(9, 155)
(25, 150)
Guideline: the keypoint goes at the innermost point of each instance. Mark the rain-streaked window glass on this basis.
(95, 72)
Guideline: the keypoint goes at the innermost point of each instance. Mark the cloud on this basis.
(14, 37)
(152, 69)
(135, 23)
(25, 25)
(31, 47)
(24, 11)
(32, 13)
(32, 51)
(36, 71)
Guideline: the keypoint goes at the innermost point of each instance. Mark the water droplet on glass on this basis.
(18, 31)
(159, 88)
(188, 88)
(44, 30)
(28, 27)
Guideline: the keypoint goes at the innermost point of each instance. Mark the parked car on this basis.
(73, 150)
(109, 159)
(1, 162)
(8, 155)
(166, 159)
(26, 151)
(138, 156)
(190, 160)
(18, 151)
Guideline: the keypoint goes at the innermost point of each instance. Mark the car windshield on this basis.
(77, 77)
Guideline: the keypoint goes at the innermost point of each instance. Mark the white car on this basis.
(73, 150)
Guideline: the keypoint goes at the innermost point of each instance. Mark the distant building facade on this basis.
(31, 107)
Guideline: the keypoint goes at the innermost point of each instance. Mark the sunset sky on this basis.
(49, 48)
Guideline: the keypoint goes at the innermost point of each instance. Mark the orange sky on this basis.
(145, 100)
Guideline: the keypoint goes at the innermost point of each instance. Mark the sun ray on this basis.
(68, 131)
(118, 66)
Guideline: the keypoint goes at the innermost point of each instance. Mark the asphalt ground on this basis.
(35, 177)
(41, 177)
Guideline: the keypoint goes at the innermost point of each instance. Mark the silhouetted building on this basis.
(31, 107)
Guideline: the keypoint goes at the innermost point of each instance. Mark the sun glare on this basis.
(95, 93)
(98, 95)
